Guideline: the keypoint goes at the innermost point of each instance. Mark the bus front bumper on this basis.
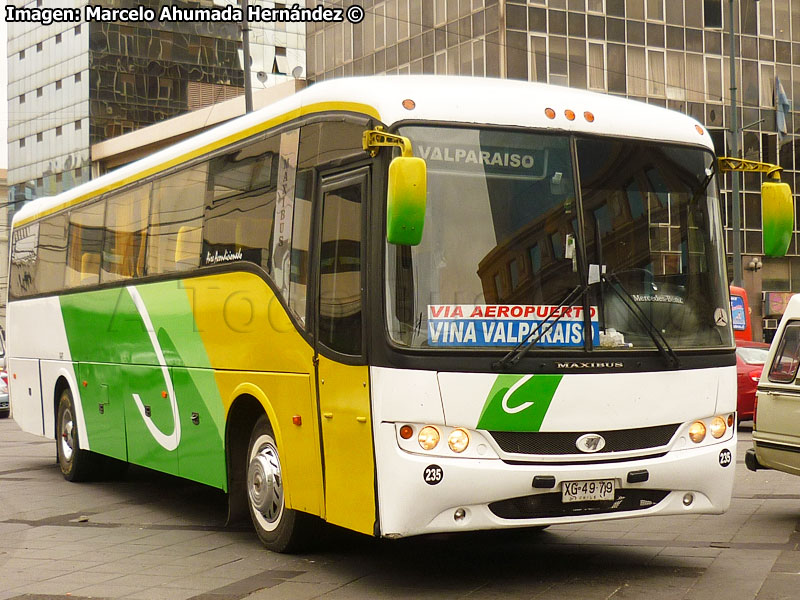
(419, 494)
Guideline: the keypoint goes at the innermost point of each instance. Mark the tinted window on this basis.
(240, 205)
(176, 221)
(784, 365)
(126, 231)
(85, 245)
(340, 270)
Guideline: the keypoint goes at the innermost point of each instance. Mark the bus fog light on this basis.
(460, 514)
(718, 427)
(697, 432)
(428, 437)
(406, 431)
(458, 440)
(688, 499)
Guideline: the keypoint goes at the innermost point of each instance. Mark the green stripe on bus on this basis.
(115, 359)
(518, 402)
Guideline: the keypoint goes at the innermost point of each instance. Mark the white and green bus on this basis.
(526, 323)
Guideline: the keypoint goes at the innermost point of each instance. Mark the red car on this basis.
(750, 359)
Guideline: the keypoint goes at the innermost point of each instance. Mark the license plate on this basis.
(583, 491)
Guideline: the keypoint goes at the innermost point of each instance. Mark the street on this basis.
(150, 536)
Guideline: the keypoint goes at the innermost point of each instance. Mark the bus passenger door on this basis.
(342, 376)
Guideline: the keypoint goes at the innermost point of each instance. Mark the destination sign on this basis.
(481, 325)
(484, 159)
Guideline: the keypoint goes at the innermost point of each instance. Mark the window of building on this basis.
(21, 54)
(637, 71)
(39, 47)
(22, 98)
(78, 77)
(712, 13)
(39, 92)
(21, 142)
(39, 137)
(58, 38)
(77, 29)
(656, 79)
(597, 66)
(78, 125)
(655, 10)
(58, 84)
(59, 130)
(595, 6)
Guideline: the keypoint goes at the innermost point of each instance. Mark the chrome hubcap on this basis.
(265, 484)
(67, 435)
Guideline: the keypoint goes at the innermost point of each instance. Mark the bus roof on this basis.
(466, 100)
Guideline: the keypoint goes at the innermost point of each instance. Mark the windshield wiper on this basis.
(658, 339)
(520, 350)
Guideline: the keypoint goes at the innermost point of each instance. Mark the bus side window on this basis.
(301, 235)
(126, 231)
(340, 270)
(175, 236)
(85, 245)
(240, 205)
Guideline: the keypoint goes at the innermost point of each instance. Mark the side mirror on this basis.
(405, 209)
(777, 217)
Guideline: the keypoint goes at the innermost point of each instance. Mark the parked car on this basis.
(776, 426)
(5, 409)
(750, 359)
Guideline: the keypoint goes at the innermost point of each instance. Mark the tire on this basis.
(279, 528)
(76, 464)
(4, 414)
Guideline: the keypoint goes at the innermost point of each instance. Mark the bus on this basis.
(400, 305)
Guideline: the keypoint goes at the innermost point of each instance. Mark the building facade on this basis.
(72, 85)
(673, 53)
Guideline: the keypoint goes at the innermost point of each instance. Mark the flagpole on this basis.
(736, 224)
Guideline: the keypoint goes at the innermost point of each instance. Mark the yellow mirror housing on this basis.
(777, 217)
(405, 207)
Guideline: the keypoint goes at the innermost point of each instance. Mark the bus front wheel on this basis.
(76, 464)
(280, 529)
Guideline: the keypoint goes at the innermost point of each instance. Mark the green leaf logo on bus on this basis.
(518, 402)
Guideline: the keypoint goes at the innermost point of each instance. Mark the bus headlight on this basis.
(458, 440)
(697, 432)
(718, 427)
(428, 437)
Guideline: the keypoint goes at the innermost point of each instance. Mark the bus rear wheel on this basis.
(76, 464)
(280, 529)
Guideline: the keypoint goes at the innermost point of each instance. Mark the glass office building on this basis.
(72, 85)
(672, 53)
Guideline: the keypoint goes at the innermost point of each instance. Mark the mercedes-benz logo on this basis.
(590, 442)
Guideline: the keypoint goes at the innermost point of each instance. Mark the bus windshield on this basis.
(507, 224)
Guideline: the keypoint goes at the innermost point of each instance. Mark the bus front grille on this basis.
(549, 505)
(545, 443)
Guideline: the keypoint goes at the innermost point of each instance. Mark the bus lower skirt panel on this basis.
(539, 506)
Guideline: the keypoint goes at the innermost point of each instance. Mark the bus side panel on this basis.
(201, 455)
(102, 401)
(51, 371)
(285, 396)
(26, 394)
(35, 331)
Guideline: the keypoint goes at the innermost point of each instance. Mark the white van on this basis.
(776, 422)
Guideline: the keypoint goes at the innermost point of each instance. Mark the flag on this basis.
(782, 108)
